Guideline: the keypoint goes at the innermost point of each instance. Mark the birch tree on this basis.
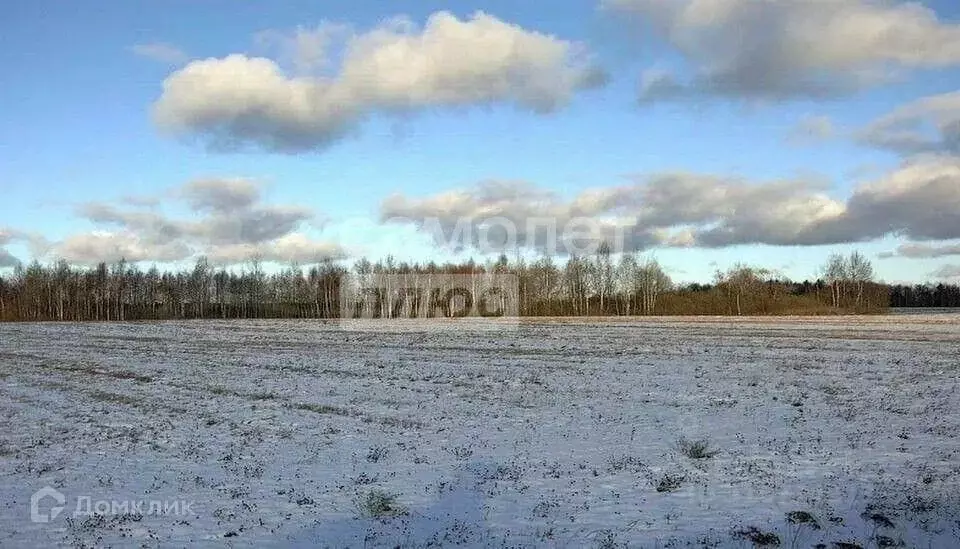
(835, 274)
(651, 281)
(860, 272)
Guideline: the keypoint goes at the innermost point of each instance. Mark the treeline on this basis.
(925, 295)
(578, 286)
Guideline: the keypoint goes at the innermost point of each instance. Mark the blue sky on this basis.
(84, 81)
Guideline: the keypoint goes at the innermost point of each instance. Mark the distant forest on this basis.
(578, 286)
(925, 295)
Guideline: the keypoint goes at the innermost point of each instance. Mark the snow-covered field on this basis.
(557, 433)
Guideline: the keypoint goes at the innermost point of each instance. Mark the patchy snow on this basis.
(558, 433)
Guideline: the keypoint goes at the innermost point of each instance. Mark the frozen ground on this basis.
(554, 433)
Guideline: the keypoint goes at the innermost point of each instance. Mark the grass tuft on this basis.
(803, 517)
(758, 537)
(376, 453)
(696, 449)
(378, 504)
(669, 482)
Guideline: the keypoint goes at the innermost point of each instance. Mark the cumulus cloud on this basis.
(253, 225)
(923, 251)
(917, 200)
(927, 125)
(161, 52)
(947, 271)
(230, 214)
(792, 49)
(96, 246)
(230, 225)
(501, 215)
(289, 248)
(6, 237)
(150, 224)
(307, 50)
(729, 212)
(7, 259)
(239, 101)
(679, 210)
(140, 201)
(221, 195)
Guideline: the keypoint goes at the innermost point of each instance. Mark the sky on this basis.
(699, 132)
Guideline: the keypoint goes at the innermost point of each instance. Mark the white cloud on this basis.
(485, 209)
(930, 124)
(289, 248)
(947, 271)
(229, 224)
(917, 200)
(7, 236)
(917, 250)
(252, 225)
(111, 246)
(161, 52)
(7, 259)
(765, 49)
(307, 50)
(240, 101)
(221, 195)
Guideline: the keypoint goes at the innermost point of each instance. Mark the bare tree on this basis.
(741, 281)
(835, 274)
(257, 286)
(652, 281)
(602, 275)
(544, 285)
(575, 280)
(200, 286)
(626, 282)
(61, 278)
(859, 272)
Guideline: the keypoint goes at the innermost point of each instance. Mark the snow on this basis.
(551, 432)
